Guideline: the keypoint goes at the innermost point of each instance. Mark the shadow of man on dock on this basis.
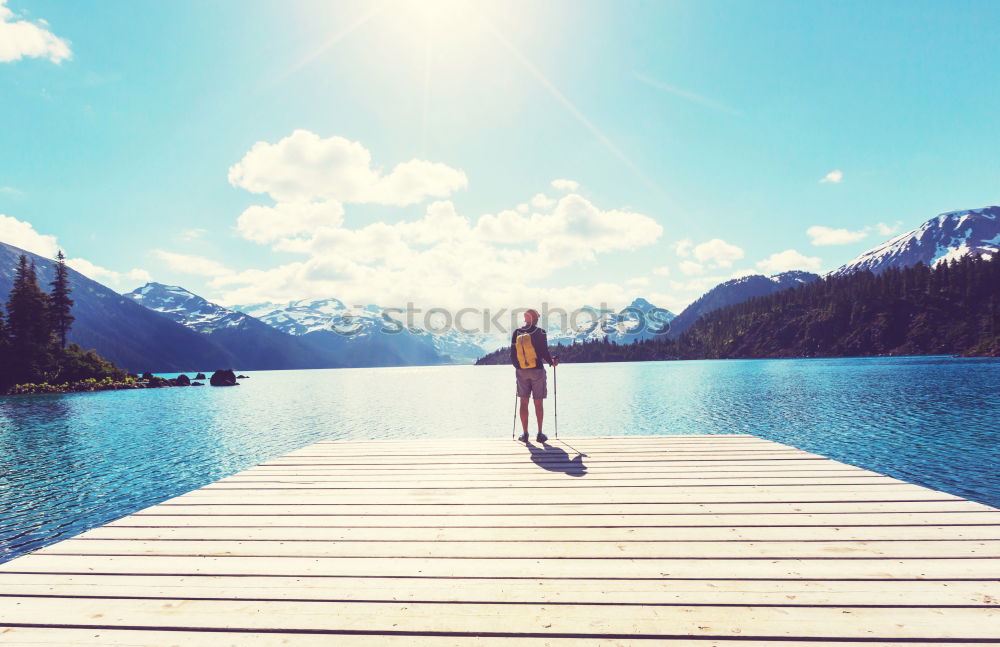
(555, 459)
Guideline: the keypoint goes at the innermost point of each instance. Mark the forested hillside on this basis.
(951, 309)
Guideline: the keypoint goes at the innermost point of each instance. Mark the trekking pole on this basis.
(555, 395)
(513, 429)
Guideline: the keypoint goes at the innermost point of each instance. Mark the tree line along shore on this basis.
(950, 309)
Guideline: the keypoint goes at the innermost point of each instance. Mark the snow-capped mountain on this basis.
(386, 330)
(948, 236)
(364, 335)
(639, 320)
(252, 344)
(304, 316)
(737, 291)
(186, 308)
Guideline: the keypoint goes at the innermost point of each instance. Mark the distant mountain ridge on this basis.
(253, 344)
(948, 236)
(122, 331)
(360, 336)
(737, 291)
(637, 321)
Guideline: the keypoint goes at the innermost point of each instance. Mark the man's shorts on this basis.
(531, 382)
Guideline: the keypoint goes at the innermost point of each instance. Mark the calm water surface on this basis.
(72, 462)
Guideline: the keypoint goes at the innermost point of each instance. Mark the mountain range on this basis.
(252, 344)
(361, 336)
(167, 328)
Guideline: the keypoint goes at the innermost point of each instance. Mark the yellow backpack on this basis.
(526, 357)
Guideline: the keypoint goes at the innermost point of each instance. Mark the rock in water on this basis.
(197, 384)
(224, 377)
(182, 380)
(199, 376)
(242, 377)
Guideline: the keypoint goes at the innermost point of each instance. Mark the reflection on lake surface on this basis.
(72, 462)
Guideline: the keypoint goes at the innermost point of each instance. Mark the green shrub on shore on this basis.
(78, 386)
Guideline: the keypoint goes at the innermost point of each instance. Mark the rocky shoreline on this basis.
(223, 377)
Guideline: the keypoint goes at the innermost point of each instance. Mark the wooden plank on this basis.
(704, 549)
(517, 567)
(520, 473)
(530, 534)
(541, 457)
(547, 484)
(553, 497)
(668, 521)
(527, 591)
(538, 471)
(592, 620)
(529, 508)
(23, 637)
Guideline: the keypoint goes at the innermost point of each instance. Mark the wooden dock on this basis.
(667, 540)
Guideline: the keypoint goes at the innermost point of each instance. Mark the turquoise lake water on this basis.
(72, 462)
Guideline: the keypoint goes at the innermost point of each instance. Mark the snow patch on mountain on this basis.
(186, 308)
(638, 321)
(946, 237)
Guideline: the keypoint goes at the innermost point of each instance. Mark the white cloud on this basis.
(21, 234)
(542, 201)
(441, 258)
(444, 258)
(304, 167)
(638, 282)
(833, 177)
(565, 185)
(662, 270)
(190, 264)
(821, 235)
(887, 230)
(192, 234)
(717, 252)
(690, 268)
(268, 224)
(11, 190)
(20, 38)
(106, 276)
(788, 260)
(683, 247)
(575, 230)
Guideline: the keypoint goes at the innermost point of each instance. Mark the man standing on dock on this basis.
(529, 346)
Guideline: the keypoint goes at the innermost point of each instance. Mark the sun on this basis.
(435, 17)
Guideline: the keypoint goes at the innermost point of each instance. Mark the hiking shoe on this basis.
(524, 437)
(541, 438)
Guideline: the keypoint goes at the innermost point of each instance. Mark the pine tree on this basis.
(29, 327)
(5, 359)
(60, 303)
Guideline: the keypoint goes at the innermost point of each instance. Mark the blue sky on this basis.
(395, 151)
